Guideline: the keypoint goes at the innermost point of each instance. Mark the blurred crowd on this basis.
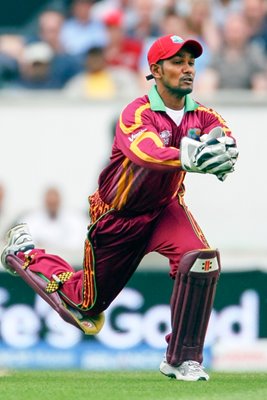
(97, 49)
(54, 226)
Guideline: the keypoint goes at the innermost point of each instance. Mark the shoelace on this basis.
(23, 239)
(194, 365)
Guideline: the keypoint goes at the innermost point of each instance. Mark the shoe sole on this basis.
(6, 266)
(179, 377)
(173, 376)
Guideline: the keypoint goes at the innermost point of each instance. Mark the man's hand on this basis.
(215, 153)
(188, 150)
(224, 167)
(217, 156)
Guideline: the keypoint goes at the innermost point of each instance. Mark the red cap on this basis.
(167, 46)
(113, 18)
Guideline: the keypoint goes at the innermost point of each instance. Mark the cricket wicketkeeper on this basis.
(139, 208)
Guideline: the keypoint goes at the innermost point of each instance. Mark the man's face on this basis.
(177, 73)
(52, 202)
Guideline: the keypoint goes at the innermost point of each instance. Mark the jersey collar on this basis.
(157, 104)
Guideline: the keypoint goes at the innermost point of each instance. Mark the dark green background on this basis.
(156, 288)
(15, 13)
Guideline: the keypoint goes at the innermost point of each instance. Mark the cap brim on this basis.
(195, 46)
(192, 45)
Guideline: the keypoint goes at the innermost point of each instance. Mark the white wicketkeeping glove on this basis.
(224, 164)
(188, 151)
(215, 154)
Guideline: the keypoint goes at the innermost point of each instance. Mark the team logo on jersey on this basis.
(166, 137)
(177, 39)
(135, 135)
(194, 133)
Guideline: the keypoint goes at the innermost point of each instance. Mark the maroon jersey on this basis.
(145, 170)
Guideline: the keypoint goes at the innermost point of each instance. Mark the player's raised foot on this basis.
(18, 239)
(89, 325)
(187, 371)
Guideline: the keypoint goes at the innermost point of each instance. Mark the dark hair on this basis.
(95, 50)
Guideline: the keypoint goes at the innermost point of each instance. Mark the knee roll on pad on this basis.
(191, 304)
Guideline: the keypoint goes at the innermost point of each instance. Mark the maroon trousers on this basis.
(117, 243)
(115, 246)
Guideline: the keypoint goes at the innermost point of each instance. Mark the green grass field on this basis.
(68, 385)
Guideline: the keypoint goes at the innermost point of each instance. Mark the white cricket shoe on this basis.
(18, 239)
(187, 371)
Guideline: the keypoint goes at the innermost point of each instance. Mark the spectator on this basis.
(36, 68)
(63, 65)
(8, 70)
(101, 82)
(144, 22)
(81, 32)
(172, 23)
(182, 7)
(56, 228)
(255, 12)
(101, 8)
(50, 23)
(201, 26)
(221, 9)
(11, 49)
(12, 45)
(238, 64)
(122, 51)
